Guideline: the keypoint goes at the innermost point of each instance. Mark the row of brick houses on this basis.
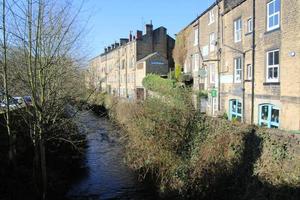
(121, 68)
(244, 53)
(249, 52)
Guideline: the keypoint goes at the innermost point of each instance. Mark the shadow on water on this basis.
(107, 176)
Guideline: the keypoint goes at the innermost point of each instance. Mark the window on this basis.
(196, 35)
(215, 105)
(235, 110)
(273, 66)
(250, 25)
(238, 30)
(132, 62)
(212, 42)
(211, 17)
(249, 72)
(196, 62)
(205, 50)
(268, 116)
(273, 13)
(212, 74)
(237, 70)
(186, 66)
(123, 64)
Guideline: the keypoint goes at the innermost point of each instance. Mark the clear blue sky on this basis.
(110, 20)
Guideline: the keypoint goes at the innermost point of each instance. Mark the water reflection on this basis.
(107, 176)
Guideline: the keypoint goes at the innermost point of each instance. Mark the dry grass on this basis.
(279, 163)
(188, 151)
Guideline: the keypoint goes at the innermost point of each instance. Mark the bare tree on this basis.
(42, 54)
(5, 77)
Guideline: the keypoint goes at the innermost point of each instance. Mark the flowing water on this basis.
(107, 175)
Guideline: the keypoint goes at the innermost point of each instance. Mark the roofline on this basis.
(229, 10)
(203, 13)
(103, 54)
(149, 56)
(93, 58)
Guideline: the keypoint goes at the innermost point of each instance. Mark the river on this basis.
(107, 176)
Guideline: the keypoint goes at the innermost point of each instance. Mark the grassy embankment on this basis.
(199, 156)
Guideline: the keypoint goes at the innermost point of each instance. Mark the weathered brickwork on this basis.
(276, 91)
(115, 71)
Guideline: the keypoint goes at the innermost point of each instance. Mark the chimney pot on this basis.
(139, 35)
(123, 41)
(130, 36)
(149, 28)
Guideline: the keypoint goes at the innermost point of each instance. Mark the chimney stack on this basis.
(105, 50)
(108, 49)
(113, 46)
(139, 35)
(149, 28)
(123, 41)
(130, 36)
(117, 45)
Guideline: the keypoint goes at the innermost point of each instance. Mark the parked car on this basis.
(2, 105)
(14, 103)
(27, 100)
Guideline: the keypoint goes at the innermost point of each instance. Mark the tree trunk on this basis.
(43, 168)
(11, 137)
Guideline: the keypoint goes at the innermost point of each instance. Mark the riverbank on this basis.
(107, 176)
(63, 159)
(196, 156)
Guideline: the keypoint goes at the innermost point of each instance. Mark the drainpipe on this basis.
(106, 73)
(243, 79)
(219, 59)
(119, 93)
(126, 75)
(253, 63)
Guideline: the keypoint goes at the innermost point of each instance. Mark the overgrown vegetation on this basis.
(198, 156)
(180, 49)
(40, 59)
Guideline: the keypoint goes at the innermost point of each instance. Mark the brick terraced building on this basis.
(249, 52)
(122, 67)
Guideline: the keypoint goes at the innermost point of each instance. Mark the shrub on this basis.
(177, 71)
(279, 161)
(194, 154)
(157, 84)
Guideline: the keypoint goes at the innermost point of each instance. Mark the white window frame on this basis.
(196, 62)
(273, 80)
(249, 71)
(212, 73)
(196, 36)
(212, 41)
(274, 15)
(185, 66)
(211, 17)
(205, 51)
(250, 25)
(214, 105)
(238, 72)
(237, 30)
